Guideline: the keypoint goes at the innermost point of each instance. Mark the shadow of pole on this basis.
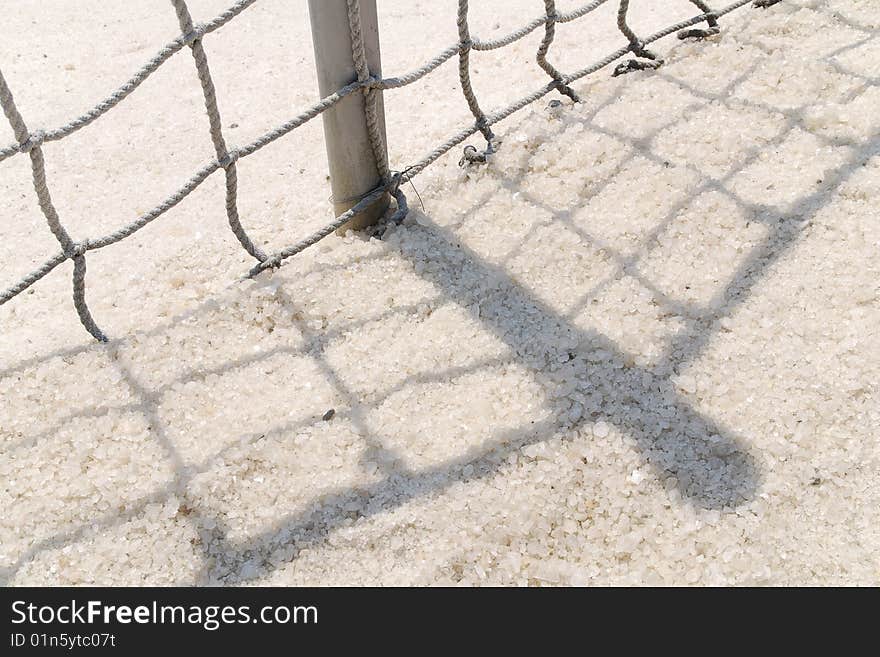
(712, 466)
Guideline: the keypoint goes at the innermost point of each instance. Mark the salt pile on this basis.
(640, 347)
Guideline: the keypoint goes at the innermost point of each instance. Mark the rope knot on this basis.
(272, 262)
(230, 158)
(393, 183)
(77, 249)
(34, 140)
(471, 155)
(699, 32)
(638, 48)
(372, 82)
(194, 35)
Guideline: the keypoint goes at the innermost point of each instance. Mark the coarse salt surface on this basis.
(640, 346)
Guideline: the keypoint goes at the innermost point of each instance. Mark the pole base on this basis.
(366, 218)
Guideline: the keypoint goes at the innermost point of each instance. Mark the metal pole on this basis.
(353, 171)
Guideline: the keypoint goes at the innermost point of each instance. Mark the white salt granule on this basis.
(600, 429)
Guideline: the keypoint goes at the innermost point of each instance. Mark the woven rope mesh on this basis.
(32, 142)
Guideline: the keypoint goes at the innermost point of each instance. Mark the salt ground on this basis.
(640, 346)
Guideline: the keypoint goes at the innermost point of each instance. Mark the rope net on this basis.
(31, 142)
